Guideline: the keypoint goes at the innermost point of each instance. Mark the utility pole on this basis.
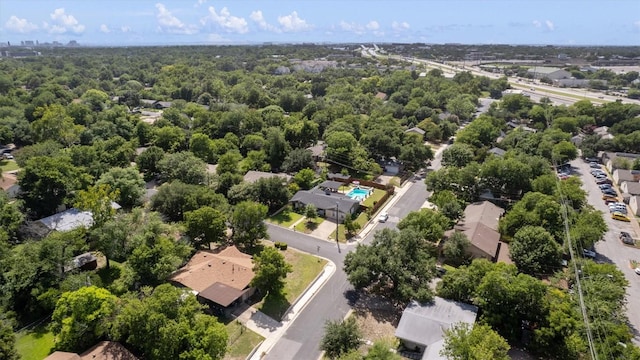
(337, 223)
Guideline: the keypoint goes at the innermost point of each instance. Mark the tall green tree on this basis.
(7, 341)
(458, 155)
(271, 270)
(183, 166)
(127, 182)
(340, 337)
(247, 222)
(148, 161)
(168, 324)
(428, 224)
(396, 264)
(81, 317)
(97, 200)
(474, 342)
(535, 251)
(48, 182)
(206, 225)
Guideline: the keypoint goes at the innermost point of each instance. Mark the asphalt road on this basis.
(611, 249)
(333, 300)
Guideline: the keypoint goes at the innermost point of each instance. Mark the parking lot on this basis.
(611, 249)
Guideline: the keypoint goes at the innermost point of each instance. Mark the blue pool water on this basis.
(358, 194)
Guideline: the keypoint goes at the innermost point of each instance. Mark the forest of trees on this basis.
(86, 135)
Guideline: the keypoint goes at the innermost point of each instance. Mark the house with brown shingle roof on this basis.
(104, 350)
(480, 225)
(219, 278)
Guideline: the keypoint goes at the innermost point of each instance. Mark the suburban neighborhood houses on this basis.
(312, 201)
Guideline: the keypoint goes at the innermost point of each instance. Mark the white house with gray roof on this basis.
(421, 327)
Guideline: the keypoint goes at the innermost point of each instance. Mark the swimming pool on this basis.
(358, 194)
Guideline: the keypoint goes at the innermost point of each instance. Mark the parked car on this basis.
(637, 270)
(620, 216)
(605, 186)
(592, 160)
(595, 165)
(610, 198)
(588, 253)
(604, 181)
(8, 156)
(619, 209)
(383, 217)
(609, 192)
(626, 238)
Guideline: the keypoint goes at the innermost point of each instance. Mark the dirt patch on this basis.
(376, 317)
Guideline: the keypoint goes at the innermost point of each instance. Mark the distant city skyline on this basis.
(187, 22)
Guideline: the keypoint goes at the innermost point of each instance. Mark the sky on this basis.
(188, 22)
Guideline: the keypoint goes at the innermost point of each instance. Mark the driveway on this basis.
(611, 249)
(324, 229)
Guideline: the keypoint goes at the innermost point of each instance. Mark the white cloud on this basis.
(352, 27)
(171, 24)
(105, 29)
(550, 25)
(15, 24)
(400, 26)
(125, 29)
(637, 24)
(63, 22)
(537, 23)
(258, 18)
(373, 25)
(293, 23)
(226, 21)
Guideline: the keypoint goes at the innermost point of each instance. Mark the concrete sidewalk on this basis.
(273, 330)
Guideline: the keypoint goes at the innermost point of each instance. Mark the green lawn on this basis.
(241, 341)
(8, 165)
(362, 220)
(375, 197)
(35, 344)
(305, 269)
(307, 227)
(285, 218)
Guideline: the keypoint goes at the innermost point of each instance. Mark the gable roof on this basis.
(497, 151)
(415, 129)
(71, 219)
(221, 294)
(104, 350)
(324, 201)
(229, 267)
(331, 184)
(480, 225)
(425, 323)
(252, 176)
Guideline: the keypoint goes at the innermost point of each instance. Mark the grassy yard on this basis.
(305, 269)
(35, 344)
(285, 218)
(361, 219)
(8, 165)
(307, 227)
(375, 197)
(241, 341)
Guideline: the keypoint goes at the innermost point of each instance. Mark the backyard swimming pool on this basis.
(358, 194)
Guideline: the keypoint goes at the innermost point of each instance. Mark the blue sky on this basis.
(165, 22)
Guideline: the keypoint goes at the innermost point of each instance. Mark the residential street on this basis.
(331, 302)
(611, 248)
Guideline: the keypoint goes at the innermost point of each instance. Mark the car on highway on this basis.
(589, 253)
(620, 216)
(383, 217)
